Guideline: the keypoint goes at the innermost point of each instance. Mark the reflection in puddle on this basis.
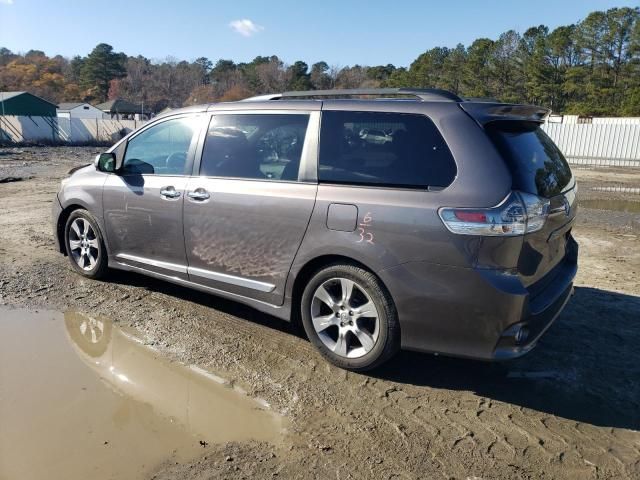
(628, 206)
(80, 398)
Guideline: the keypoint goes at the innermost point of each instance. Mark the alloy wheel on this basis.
(345, 318)
(84, 245)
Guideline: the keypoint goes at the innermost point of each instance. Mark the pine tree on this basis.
(100, 67)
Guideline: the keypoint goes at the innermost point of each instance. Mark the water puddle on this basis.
(628, 206)
(81, 398)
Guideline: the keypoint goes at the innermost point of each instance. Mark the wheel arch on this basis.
(312, 266)
(62, 221)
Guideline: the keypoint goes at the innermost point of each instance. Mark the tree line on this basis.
(588, 68)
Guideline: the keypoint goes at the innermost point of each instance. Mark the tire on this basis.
(350, 333)
(85, 246)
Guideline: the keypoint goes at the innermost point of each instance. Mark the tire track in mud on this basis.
(421, 417)
(407, 420)
(462, 433)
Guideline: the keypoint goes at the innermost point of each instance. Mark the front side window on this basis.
(383, 149)
(161, 149)
(254, 146)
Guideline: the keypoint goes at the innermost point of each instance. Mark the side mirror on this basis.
(106, 162)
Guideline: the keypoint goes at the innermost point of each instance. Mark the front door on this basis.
(246, 214)
(143, 202)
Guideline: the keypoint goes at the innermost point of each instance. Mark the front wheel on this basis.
(350, 317)
(84, 244)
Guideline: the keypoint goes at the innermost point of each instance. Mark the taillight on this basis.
(518, 214)
(537, 211)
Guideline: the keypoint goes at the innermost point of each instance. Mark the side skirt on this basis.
(280, 311)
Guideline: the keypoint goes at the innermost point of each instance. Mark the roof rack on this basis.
(424, 94)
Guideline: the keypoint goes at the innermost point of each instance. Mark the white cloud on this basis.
(7, 2)
(244, 27)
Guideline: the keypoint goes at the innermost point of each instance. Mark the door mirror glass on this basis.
(106, 162)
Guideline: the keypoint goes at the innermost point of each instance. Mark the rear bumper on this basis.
(476, 313)
(547, 299)
(535, 326)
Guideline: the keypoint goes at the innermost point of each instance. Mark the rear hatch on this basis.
(538, 167)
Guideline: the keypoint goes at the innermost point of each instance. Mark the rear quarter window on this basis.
(536, 164)
(383, 149)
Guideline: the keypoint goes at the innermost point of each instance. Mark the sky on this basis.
(340, 32)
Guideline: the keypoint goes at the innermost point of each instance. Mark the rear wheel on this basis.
(350, 317)
(84, 244)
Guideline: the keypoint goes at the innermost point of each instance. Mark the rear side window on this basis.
(536, 164)
(383, 149)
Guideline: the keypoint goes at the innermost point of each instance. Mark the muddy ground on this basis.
(570, 409)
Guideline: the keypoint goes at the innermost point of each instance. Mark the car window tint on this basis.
(386, 149)
(537, 165)
(161, 149)
(254, 146)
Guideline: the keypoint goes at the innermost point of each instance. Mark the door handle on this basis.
(169, 192)
(199, 194)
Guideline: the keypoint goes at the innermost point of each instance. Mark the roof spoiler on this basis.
(487, 112)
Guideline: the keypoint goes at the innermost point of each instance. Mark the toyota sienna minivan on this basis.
(415, 219)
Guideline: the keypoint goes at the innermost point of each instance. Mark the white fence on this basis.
(622, 120)
(615, 144)
(21, 129)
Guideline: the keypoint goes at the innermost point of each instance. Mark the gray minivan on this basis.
(425, 222)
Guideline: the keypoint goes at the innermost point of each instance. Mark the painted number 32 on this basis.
(363, 230)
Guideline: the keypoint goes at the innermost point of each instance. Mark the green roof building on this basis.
(25, 104)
